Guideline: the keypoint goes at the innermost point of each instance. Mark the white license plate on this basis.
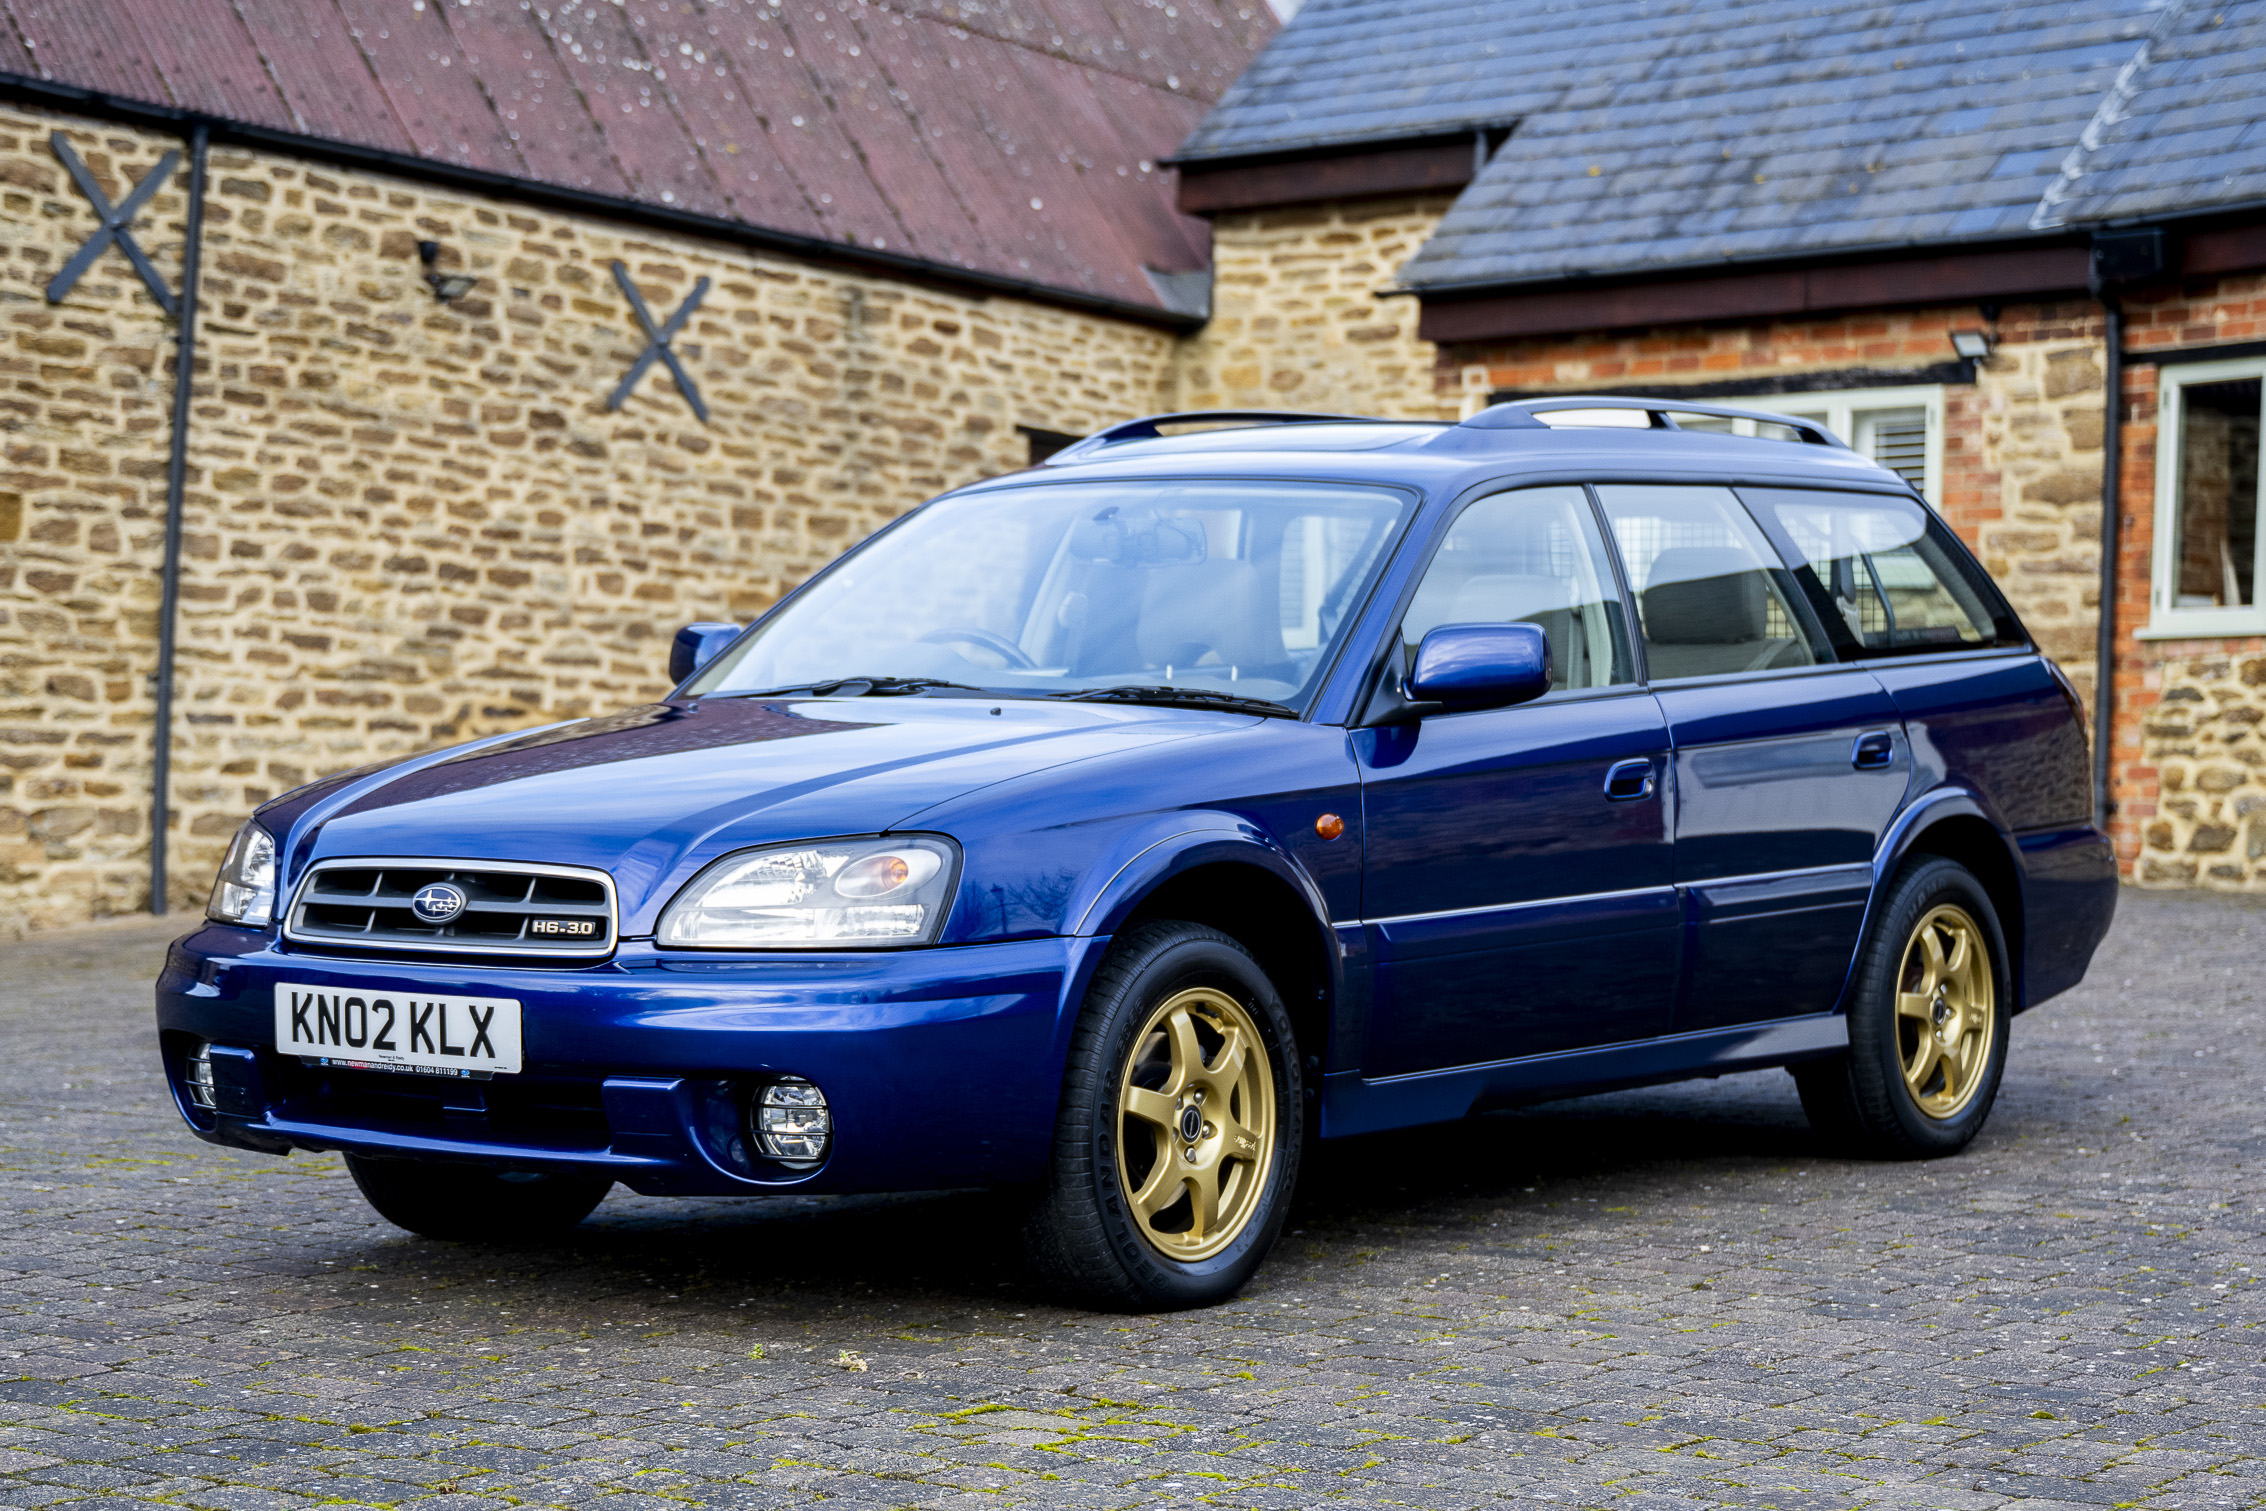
(389, 1030)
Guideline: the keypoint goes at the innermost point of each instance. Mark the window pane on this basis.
(1710, 592)
(1234, 586)
(1531, 557)
(1894, 585)
(2218, 495)
(1897, 439)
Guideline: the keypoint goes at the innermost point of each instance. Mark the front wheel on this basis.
(1177, 1142)
(1928, 1023)
(472, 1203)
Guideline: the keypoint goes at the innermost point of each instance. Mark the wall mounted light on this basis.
(1973, 345)
(445, 286)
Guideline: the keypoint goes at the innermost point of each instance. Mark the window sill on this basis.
(2238, 625)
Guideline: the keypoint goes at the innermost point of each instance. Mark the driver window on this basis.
(1532, 556)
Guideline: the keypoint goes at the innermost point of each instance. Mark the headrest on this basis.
(1502, 597)
(1210, 606)
(1705, 595)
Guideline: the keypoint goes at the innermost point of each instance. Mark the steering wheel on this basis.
(999, 645)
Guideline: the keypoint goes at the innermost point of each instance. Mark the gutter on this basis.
(22, 89)
(2112, 520)
(176, 480)
(2130, 255)
(1573, 280)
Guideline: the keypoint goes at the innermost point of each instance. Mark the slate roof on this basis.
(1014, 138)
(1672, 134)
(2186, 132)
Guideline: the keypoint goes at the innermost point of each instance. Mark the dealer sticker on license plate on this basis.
(389, 1030)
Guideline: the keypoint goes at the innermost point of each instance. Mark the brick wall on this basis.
(1296, 321)
(2022, 484)
(410, 523)
(2021, 446)
(2189, 767)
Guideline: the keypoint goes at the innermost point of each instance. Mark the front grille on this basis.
(508, 909)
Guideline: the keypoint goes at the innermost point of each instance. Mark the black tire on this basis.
(1084, 1237)
(1862, 1101)
(472, 1203)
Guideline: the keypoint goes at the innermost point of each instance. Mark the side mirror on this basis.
(1468, 666)
(695, 646)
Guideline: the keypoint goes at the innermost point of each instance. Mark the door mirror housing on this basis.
(1469, 666)
(696, 645)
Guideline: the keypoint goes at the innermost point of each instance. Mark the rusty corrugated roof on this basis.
(1011, 138)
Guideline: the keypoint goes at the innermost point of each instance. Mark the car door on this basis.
(1518, 890)
(1789, 766)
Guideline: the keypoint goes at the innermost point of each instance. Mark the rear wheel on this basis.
(1927, 1023)
(1177, 1142)
(472, 1203)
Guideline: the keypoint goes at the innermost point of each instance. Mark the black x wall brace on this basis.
(657, 339)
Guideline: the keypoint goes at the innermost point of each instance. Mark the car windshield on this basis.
(1237, 588)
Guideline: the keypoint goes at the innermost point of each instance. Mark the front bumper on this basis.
(942, 1067)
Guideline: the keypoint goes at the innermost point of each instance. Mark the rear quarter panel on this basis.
(1999, 726)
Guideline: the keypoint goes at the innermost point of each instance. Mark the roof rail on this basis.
(1145, 428)
(1519, 414)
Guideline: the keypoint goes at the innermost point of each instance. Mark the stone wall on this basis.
(1296, 321)
(2195, 809)
(409, 523)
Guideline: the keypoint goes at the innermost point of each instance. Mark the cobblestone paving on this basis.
(1650, 1301)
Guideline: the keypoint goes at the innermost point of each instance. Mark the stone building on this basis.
(902, 239)
(1924, 224)
(897, 244)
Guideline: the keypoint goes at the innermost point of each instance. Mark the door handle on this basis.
(1628, 781)
(1875, 750)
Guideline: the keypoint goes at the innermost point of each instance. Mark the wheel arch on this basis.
(1247, 897)
(1955, 828)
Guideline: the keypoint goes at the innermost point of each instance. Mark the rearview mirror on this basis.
(1137, 538)
(1468, 666)
(696, 645)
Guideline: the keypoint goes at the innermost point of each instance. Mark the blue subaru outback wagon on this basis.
(1106, 831)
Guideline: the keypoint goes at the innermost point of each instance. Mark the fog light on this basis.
(792, 1122)
(199, 1076)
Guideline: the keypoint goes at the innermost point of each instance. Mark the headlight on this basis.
(861, 893)
(244, 892)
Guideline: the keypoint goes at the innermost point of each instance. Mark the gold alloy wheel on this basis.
(1946, 1011)
(1195, 1123)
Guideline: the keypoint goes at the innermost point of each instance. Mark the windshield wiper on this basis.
(863, 687)
(1185, 697)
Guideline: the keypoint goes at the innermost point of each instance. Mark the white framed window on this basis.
(1900, 428)
(2208, 561)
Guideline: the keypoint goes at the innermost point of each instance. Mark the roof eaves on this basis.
(1338, 146)
(22, 89)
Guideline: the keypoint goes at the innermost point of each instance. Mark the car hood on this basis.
(648, 793)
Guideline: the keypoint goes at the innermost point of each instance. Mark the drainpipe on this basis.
(176, 479)
(2112, 520)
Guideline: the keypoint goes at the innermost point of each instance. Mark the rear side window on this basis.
(1875, 565)
(1530, 556)
(1712, 596)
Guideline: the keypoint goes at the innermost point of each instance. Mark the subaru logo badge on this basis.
(438, 903)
